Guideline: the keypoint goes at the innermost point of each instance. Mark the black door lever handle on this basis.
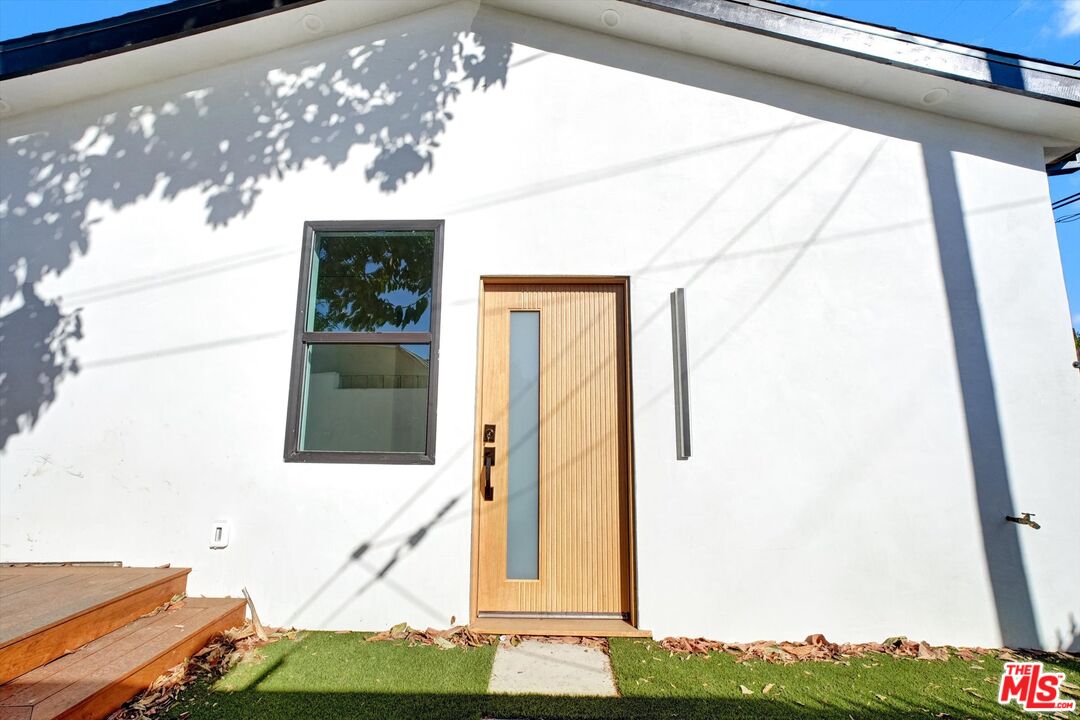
(489, 461)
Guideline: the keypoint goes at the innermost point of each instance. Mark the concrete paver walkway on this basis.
(551, 669)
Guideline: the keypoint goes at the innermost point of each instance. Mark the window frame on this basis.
(302, 339)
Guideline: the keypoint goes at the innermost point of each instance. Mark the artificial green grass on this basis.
(872, 686)
(331, 675)
(338, 677)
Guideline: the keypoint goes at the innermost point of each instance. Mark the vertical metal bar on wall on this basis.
(682, 377)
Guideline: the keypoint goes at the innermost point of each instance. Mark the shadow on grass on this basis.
(202, 702)
(336, 676)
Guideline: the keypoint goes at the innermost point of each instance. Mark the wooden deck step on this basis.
(46, 612)
(99, 677)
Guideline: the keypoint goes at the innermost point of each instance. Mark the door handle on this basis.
(489, 461)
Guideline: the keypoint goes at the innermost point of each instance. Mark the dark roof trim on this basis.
(1040, 79)
(66, 46)
(1067, 164)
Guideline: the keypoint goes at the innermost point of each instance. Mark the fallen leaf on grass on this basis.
(970, 653)
(691, 646)
(925, 652)
(458, 635)
(817, 648)
(745, 690)
(765, 690)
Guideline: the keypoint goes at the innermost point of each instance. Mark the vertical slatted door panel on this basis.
(492, 513)
(583, 499)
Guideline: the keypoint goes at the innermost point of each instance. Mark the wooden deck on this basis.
(79, 641)
(97, 678)
(46, 612)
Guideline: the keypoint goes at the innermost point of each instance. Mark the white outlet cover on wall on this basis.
(219, 535)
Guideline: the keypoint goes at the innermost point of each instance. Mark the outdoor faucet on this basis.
(1024, 519)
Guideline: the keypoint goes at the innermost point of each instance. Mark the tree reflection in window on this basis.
(372, 282)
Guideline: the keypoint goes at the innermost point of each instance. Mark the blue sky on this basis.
(1048, 29)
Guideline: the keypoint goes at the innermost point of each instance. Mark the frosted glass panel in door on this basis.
(523, 449)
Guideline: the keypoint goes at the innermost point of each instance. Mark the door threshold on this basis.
(573, 627)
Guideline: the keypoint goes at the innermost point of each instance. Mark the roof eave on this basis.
(1026, 95)
(1039, 79)
(58, 48)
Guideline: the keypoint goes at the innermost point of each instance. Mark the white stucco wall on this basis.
(831, 487)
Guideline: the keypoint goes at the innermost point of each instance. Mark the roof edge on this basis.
(1007, 72)
(74, 44)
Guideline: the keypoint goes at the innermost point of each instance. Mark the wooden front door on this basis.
(553, 523)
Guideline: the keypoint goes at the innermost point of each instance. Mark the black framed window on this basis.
(366, 349)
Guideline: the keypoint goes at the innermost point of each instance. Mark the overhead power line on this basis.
(1067, 200)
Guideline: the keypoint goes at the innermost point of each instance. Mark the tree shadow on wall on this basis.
(259, 122)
